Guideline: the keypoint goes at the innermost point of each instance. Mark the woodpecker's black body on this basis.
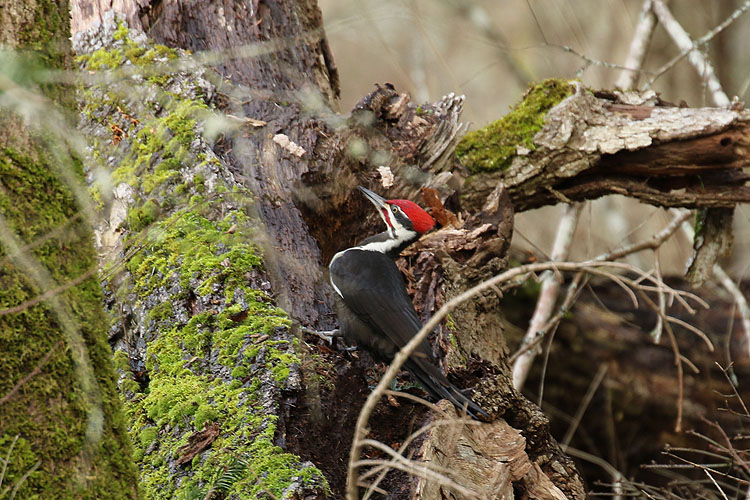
(374, 310)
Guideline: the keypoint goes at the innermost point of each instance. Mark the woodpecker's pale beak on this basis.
(380, 203)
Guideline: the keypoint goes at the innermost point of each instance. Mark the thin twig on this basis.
(638, 46)
(422, 471)
(23, 479)
(588, 61)
(677, 361)
(699, 43)
(716, 484)
(7, 460)
(617, 476)
(734, 388)
(571, 296)
(739, 298)
(698, 466)
(688, 47)
(50, 293)
(477, 15)
(548, 293)
(654, 242)
(584, 405)
(659, 328)
(34, 373)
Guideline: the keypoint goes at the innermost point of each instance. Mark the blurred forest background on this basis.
(490, 51)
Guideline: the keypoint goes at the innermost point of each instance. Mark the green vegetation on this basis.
(494, 146)
(50, 412)
(219, 351)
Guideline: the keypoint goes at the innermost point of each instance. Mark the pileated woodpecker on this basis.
(374, 310)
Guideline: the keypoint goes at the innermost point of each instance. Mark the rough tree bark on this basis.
(300, 162)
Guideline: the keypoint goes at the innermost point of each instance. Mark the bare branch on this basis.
(548, 293)
(683, 41)
(699, 43)
(638, 45)
(653, 243)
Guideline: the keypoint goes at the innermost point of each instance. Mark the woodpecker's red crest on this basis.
(405, 219)
(421, 221)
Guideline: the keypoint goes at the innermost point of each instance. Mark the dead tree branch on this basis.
(614, 143)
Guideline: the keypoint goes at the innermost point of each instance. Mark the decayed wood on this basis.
(450, 261)
(486, 459)
(597, 144)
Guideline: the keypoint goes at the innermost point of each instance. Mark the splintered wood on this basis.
(486, 459)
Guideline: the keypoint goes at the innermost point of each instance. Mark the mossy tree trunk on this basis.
(62, 431)
(210, 222)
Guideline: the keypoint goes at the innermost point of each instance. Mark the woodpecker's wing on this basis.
(372, 287)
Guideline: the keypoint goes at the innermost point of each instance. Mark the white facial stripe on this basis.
(385, 246)
(396, 228)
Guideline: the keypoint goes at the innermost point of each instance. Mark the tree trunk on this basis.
(62, 432)
(211, 367)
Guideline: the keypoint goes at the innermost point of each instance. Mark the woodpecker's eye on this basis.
(395, 209)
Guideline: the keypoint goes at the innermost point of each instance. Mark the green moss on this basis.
(281, 363)
(161, 311)
(126, 52)
(193, 249)
(50, 414)
(202, 255)
(182, 250)
(122, 361)
(199, 183)
(143, 216)
(147, 436)
(494, 146)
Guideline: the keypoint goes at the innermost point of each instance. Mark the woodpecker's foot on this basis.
(327, 335)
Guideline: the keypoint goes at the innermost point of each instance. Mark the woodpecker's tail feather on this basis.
(434, 382)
